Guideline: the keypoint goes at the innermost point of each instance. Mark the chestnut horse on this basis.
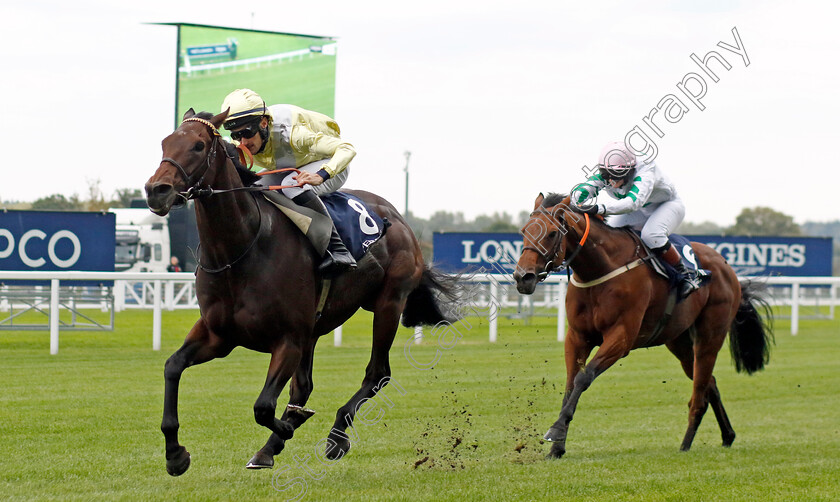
(257, 287)
(617, 305)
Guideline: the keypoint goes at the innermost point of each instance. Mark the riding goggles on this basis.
(614, 172)
(246, 132)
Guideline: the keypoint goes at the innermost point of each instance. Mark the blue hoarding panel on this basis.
(796, 256)
(57, 240)
(492, 253)
(499, 252)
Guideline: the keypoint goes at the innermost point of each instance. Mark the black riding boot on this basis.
(337, 259)
(689, 282)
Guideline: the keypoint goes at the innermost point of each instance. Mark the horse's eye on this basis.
(199, 146)
(552, 234)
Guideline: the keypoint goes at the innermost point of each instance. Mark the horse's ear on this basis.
(219, 119)
(189, 114)
(539, 200)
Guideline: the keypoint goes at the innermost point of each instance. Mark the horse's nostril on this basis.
(161, 190)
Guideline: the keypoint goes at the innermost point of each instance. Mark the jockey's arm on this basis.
(587, 190)
(338, 151)
(636, 198)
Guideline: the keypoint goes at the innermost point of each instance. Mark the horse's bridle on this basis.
(192, 186)
(555, 247)
(193, 191)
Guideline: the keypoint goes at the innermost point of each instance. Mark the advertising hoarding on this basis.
(786, 256)
(57, 241)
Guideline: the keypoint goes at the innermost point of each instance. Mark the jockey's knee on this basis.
(654, 240)
(295, 192)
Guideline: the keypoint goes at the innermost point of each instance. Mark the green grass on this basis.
(84, 424)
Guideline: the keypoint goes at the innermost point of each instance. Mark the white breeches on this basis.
(655, 222)
(329, 186)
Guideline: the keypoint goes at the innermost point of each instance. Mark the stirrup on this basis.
(688, 284)
(335, 264)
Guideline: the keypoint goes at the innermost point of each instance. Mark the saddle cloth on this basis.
(358, 226)
(683, 247)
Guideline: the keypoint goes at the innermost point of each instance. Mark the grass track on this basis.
(84, 424)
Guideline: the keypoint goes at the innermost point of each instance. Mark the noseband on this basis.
(555, 248)
(192, 186)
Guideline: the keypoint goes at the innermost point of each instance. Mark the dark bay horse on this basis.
(257, 288)
(618, 306)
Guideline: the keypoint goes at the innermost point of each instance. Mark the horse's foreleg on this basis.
(200, 346)
(284, 362)
(377, 375)
(581, 378)
(300, 390)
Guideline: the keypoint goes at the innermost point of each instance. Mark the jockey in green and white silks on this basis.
(643, 198)
(282, 136)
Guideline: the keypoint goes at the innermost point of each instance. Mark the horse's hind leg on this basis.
(300, 390)
(706, 345)
(377, 374)
(681, 347)
(200, 346)
(727, 433)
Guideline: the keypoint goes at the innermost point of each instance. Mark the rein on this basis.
(549, 262)
(211, 157)
(549, 266)
(242, 255)
(193, 191)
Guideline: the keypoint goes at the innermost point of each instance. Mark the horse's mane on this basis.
(247, 176)
(552, 199)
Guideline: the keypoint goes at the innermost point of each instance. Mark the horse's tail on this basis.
(751, 334)
(424, 305)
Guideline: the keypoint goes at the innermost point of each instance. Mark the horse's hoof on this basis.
(337, 446)
(556, 451)
(727, 441)
(179, 463)
(260, 461)
(299, 412)
(552, 435)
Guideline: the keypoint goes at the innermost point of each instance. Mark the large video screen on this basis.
(280, 67)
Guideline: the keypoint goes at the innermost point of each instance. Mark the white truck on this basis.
(145, 242)
(142, 243)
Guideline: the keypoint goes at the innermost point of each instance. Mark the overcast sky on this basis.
(496, 100)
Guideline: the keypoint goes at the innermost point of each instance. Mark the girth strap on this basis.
(666, 316)
(322, 300)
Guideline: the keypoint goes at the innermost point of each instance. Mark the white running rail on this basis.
(491, 294)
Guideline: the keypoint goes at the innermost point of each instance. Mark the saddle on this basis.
(357, 225)
(665, 270)
(689, 260)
